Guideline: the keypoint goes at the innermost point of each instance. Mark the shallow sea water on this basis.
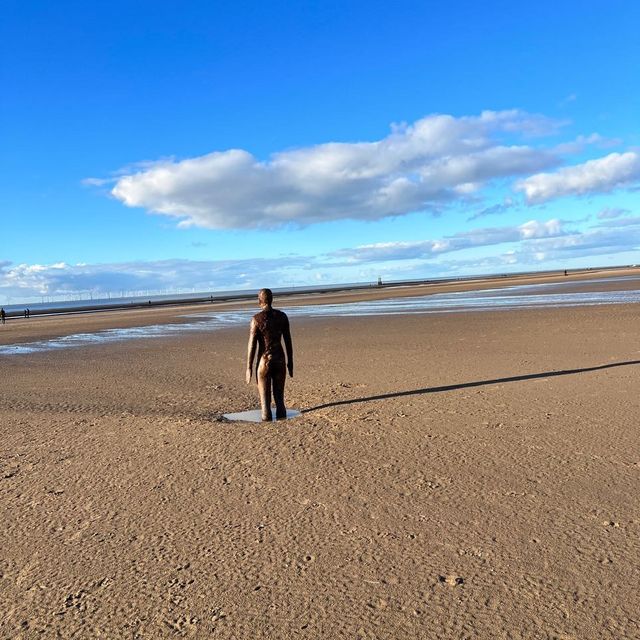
(534, 296)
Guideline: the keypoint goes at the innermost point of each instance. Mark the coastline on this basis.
(239, 297)
(51, 326)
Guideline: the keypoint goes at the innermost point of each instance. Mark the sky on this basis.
(173, 146)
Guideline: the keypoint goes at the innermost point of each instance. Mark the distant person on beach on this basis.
(268, 329)
(3, 316)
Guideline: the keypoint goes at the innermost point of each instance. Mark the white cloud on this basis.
(96, 182)
(629, 221)
(582, 142)
(576, 249)
(594, 176)
(437, 160)
(609, 213)
(465, 240)
(597, 241)
(499, 208)
(572, 97)
(538, 245)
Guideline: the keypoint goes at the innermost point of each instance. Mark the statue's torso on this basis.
(270, 325)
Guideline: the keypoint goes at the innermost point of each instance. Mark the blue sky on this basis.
(152, 146)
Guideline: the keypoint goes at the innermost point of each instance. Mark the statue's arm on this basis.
(286, 334)
(251, 349)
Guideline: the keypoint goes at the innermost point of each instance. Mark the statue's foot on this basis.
(267, 417)
(281, 415)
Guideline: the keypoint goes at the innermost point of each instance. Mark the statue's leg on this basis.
(279, 375)
(264, 388)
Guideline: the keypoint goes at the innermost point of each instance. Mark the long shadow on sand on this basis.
(468, 385)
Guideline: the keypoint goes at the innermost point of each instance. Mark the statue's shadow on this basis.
(468, 385)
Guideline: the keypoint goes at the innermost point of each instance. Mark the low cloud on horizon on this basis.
(518, 247)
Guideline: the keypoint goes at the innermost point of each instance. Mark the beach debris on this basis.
(379, 603)
(217, 615)
(451, 580)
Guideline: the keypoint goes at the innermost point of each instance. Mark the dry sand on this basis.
(492, 494)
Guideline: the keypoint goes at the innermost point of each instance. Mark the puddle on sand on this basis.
(256, 416)
(520, 297)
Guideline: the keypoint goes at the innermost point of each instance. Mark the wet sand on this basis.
(471, 475)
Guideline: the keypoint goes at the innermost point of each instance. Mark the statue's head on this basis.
(265, 297)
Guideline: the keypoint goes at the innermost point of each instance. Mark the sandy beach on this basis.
(463, 475)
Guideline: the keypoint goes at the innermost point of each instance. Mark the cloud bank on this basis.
(23, 281)
(518, 247)
(437, 160)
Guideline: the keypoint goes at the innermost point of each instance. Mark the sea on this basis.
(533, 296)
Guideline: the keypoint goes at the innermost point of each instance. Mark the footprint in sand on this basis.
(183, 625)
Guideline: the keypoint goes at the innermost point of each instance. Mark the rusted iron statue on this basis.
(268, 329)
